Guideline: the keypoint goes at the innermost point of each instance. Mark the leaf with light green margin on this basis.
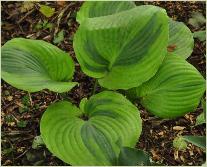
(47, 10)
(199, 141)
(93, 9)
(180, 39)
(133, 157)
(130, 44)
(94, 141)
(175, 90)
(33, 65)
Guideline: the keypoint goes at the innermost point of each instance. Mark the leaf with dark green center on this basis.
(199, 141)
(129, 44)
(133, 157)
(181, 37)
(33, 65)
(175, 90)
(88, 136)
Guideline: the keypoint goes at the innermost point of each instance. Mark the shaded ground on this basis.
(20, 117)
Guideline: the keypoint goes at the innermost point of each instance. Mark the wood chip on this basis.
(155, 155)
(9, 98)
(176, 154)
(178, 127)
(19, 104)
(182, 158)
(161, 133)
(61, 3)
(191, 152)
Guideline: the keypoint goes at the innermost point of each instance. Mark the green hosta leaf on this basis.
(201, 35)
(130, 44)
(199, 141)
(33, 65)
(133, 157)
(90, 137)
(46, 10)
(175, 90)
(102, 8)
(179, 143)
(181, 40)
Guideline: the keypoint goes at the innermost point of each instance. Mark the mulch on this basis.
(157, 134)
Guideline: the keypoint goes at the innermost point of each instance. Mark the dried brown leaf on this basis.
(171, 48)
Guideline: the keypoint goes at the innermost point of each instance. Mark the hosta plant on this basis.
(138, 49)
(89, 135)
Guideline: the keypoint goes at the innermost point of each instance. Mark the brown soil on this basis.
(157, 134)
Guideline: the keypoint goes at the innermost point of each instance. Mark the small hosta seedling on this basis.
(22, 124)
(37, 142)
(179, 143)
(47, 11)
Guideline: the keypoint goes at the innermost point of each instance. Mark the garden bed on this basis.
(21, 112)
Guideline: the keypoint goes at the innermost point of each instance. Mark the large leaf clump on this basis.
(175, 90)
(93, 134)
(33, 65)
(116, 41)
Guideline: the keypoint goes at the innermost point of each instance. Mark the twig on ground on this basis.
(30, 99)
(27, 14)
(22, 154)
